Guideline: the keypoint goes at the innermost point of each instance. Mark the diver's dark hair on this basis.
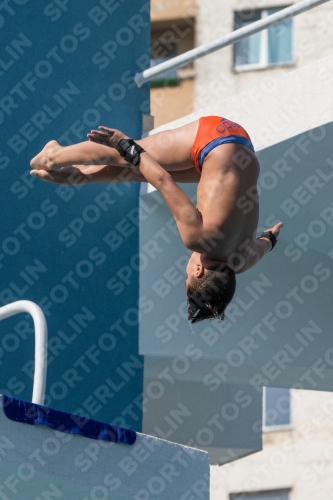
(209, 295)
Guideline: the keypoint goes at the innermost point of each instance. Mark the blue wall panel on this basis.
(66, 67)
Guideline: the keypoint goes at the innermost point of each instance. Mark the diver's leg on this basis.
(54, 156)
(171, 149)
(89, 174)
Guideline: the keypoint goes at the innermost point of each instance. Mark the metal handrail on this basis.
(26, 306)
(235, 36)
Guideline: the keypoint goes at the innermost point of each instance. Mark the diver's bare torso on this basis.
(226, 194)
(227, 198)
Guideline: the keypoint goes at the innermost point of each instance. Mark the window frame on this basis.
(280, 427)
(264, 64)
(164, 80)
(247, 495)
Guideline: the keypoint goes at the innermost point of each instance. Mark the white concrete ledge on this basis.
(35, 460)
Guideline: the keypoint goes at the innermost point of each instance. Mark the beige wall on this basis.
(173, 20)
(215, 77)
(162, 10)
(171, 103)
(300, 459)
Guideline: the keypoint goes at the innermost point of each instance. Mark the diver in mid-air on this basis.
(213, 152)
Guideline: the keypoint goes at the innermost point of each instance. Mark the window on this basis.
(169, 79)
(276, 408)
(268, 48)
(262, 495)
(162, 49)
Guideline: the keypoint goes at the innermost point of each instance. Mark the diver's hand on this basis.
(275, 229)
(106, 136)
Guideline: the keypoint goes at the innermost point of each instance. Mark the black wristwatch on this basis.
(130, 151)
(272, 238)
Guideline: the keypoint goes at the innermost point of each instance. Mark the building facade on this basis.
(180, 26)
(173, 32)
(290, 45)
(296, 460)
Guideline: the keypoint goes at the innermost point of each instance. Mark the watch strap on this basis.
(271, 236)
(130, 151)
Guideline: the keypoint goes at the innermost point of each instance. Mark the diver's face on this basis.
(194, 268)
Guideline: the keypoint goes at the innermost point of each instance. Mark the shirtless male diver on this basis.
(213, 152)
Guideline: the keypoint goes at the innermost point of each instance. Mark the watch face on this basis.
(132, 151)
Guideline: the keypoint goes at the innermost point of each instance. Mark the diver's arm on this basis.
(259, 248)
(188, 220)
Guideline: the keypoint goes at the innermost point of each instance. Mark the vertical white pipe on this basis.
(26, 306)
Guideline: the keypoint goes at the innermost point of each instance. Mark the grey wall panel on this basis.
(278, 329)
(184, 404)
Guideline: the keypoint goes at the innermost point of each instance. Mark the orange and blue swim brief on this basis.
(214, 131)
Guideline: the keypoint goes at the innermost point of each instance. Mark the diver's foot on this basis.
(46, 159)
